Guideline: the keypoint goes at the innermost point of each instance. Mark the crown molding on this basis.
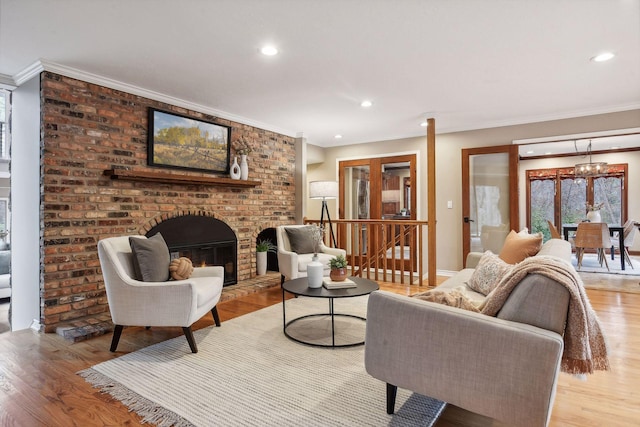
(74, 73)
(6, 82)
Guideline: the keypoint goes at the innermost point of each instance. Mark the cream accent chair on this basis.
(172, 303)
(293, 265)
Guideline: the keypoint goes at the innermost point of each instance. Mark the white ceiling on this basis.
(469, 64)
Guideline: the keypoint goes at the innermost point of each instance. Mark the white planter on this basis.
(261, 263)
(314, 274)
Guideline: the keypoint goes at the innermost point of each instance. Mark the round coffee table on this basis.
(300, 287)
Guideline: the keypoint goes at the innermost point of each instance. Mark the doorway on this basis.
(489, 197)
(377, 188)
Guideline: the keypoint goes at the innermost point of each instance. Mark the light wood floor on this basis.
(39, 385)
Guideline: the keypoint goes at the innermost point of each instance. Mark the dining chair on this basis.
(593, 235)
(554, 231)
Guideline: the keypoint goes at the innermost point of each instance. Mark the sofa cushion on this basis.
(488, 273)
(459, 282)
(301, 239)
(556, 247)
(518, 246)
(150, 258)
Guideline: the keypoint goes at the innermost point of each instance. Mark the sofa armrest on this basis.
(287, 263)
(332, 251)
(473, 258)
(501, 369)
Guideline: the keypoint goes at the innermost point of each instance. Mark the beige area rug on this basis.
(590, 265)
(247, 373)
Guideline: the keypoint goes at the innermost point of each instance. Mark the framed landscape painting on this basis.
(177, 141)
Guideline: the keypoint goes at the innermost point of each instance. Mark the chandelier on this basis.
(584, 170)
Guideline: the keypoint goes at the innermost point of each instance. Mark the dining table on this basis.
(567, 228)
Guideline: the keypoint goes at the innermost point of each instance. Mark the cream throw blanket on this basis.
(585, 348)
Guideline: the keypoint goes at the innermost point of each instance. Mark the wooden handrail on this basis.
(382, 249)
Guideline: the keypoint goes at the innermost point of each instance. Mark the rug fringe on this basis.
(149, 411)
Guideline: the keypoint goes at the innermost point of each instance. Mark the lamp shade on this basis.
(323, 189)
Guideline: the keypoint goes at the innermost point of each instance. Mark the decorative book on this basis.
(331, 284)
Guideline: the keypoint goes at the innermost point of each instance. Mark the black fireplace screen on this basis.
(204, 240)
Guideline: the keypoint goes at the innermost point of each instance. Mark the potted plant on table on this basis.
(262, 247)
(338, 266)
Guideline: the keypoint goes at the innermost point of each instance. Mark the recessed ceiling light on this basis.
(269, 50)
(547, 153)
(530, 152)
(366, 103)
(338, 136)
(605, 56)
(424, 124)
(615, 147)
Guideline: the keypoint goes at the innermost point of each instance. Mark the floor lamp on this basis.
(324, 190)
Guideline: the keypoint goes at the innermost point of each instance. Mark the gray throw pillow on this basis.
(150, 258)
(301, 239)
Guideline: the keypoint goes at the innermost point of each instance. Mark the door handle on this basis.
(467, 219)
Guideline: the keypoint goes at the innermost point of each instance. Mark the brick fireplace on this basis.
(88, 129)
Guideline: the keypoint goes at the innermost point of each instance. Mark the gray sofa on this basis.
(5, 274)
(504, 367)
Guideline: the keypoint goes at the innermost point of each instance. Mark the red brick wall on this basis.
(87, 129)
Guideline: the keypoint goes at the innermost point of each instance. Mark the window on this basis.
(554, 195)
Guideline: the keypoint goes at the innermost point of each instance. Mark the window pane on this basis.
(573, 201)
(608, 191)
(542, 204)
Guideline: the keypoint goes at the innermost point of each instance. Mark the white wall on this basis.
(449, 167)
(25, 204)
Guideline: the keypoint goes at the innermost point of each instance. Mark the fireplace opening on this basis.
(206, 241)
(272, 257)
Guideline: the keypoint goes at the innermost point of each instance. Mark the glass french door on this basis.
(489, 197)
(376, 188)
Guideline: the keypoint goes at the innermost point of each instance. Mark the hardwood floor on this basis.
(39, 385)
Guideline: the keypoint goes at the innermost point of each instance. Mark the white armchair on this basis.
(292, 264)
(170, 303)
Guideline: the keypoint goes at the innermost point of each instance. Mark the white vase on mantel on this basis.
(594, 216)
(244, 167)
(234, 171)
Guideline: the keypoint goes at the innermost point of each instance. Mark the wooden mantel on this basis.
(171, 178)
